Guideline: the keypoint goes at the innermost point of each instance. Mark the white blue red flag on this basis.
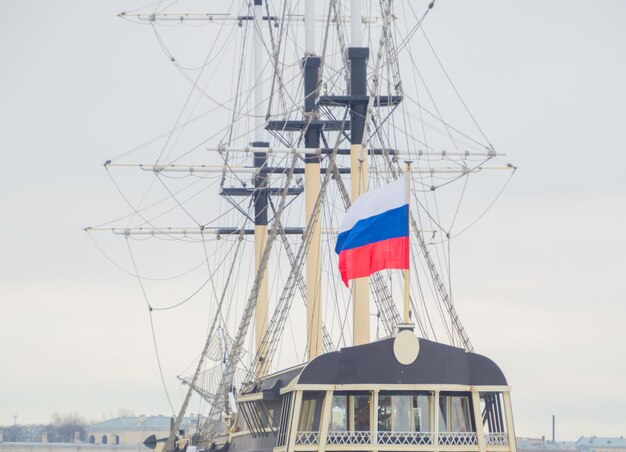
(374, 234)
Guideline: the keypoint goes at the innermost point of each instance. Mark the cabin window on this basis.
(361, 405)
(491, 409)
(350, 413)
(310, 411)
(285, 417)
(403, 413)
(339, 414)
(454, 414)
(421, 413)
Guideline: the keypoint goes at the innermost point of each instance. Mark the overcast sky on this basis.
(540, 283)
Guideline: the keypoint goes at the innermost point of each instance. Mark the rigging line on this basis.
(210, 278)
(177, 201)
(275, 54)
(487, 209)
(154, 341)
(327, 341)
(422, 297)
(283, 91)
(235, 355)
(173, 2)
(433, 101)
(418, 281)
(458, 206)
(128, 272)
(447, 263)
(432, 269)
(448, 259)
(211, 274)
(237, 87)
(438, 253)
(432, 219)
(434, 187)
(455, 89)
(191, 91)
(335, 296)
(183, 202)
(268, 345)
(450, 126)
(141, 7)
(141, 201)
(163, 135)
(149, 222)
(412, 32)
(183, 409)
(126, 199)
(201, 91)
(157, 6)
(394, 168)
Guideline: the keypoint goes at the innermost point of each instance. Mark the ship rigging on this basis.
(316, 119)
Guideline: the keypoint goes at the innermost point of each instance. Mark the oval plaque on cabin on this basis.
(406, 347)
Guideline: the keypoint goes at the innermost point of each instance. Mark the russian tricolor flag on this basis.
(374, 234)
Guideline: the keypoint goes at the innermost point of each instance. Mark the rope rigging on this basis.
(431, 258)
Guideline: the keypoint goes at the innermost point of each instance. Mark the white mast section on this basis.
(355, 23)
(309, 27)
(258, 72)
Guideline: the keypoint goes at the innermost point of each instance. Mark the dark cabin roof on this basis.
(375, 363)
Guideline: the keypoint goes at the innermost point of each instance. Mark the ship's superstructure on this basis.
(395, 394)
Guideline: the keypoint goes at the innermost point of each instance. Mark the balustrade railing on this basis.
(497, 439)
(405, 438)
(349, 437)
(306, 438)
(402, 438)
(457, 439)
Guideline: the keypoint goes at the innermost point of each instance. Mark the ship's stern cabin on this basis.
(398, 394)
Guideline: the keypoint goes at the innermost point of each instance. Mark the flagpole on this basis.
(407, 300)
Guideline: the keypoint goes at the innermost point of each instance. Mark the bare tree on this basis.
(64, 426)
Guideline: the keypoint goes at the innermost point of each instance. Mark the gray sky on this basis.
(539, 281)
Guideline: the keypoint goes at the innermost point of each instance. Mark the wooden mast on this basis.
(311, 64)
(358, 161)
(260, 181)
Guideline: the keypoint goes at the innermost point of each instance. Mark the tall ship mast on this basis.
(327, 233)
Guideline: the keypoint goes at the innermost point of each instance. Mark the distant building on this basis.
(134, 429)
(541, 445)
(601, 444)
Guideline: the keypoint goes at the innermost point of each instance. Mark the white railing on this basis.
(497, 439)
(408, 438)
(306, 438)
(402, 438)
(349, 437)
(458, 439)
